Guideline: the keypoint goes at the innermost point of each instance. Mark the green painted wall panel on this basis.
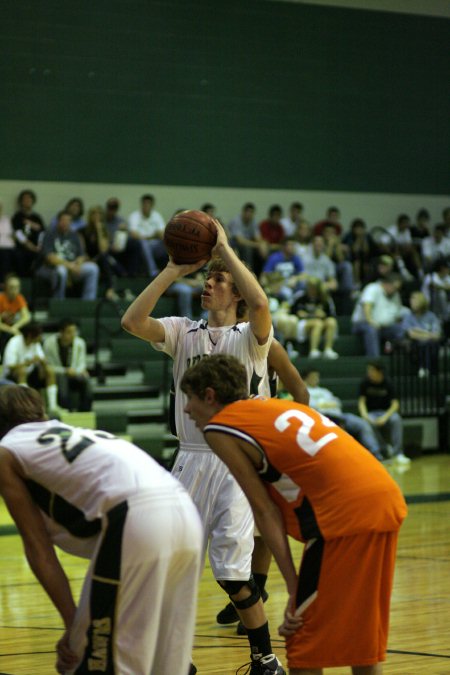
(227, 93)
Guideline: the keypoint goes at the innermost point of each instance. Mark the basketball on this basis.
(189, 237)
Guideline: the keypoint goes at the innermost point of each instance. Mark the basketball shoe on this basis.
(262, 665)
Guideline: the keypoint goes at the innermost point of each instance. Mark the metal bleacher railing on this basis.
(421, 376)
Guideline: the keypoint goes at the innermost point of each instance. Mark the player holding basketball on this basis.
(102, 498)
(224, 509)
(323, 488)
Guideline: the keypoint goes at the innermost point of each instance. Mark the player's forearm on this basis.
(140, 309)
(51, 576)
(271, 527)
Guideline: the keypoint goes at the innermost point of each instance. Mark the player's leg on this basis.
(368, 670)
(231, 543)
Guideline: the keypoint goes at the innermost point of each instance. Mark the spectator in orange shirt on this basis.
(14, 312)
(306, 477)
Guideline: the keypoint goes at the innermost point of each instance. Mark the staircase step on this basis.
(112, 392)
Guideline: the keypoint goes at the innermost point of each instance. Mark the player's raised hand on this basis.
(222, 239)
(185, 268)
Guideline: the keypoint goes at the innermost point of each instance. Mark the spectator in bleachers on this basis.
(405, 253)
(446, 220)
(28, 227)
(378, 314)
(25, 363)
(75, 207)
(332, 216)
(126, 250)
(434, 247)
(423, 329)
(319, 265)
(286, 264)
(325, 402)
(64, 261)
(421, 229)
(65, 352)
(338, 253)
(312, 317)
(291, 222)
(361, 251)
(379, 405)
(147, 225)
(381, 267)
(14, 312)
(6, 244)
(96, 246)
(271, 229)
(210, 209)
(436, 288)
(246, 239)
(303, 239)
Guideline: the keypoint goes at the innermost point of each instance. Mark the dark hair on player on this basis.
(19, 405)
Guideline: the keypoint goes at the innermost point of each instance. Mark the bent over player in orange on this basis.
(306, 477)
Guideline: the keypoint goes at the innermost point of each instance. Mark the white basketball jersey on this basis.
(188, 341)
(84, 473)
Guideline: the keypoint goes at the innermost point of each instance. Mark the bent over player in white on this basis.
(224, 509)
(103, 498)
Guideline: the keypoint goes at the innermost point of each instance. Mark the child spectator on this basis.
(14, 312)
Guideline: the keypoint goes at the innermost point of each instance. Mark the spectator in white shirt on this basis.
(147, 225)
(378, 313)
(435, 247)
(291, 222)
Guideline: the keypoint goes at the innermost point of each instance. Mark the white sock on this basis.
(52, 396)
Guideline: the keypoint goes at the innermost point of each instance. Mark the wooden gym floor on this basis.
(419, 642)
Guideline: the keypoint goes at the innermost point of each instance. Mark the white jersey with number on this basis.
(187, 341)
(90, 470)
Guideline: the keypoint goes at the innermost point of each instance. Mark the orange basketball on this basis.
(189, 237)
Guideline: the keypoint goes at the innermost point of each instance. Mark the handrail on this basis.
(102, 302)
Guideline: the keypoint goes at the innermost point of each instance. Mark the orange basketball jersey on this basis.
(325, 483)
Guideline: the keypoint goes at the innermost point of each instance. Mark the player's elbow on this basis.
(129, 324)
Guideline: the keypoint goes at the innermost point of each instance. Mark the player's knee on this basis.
(234, 588)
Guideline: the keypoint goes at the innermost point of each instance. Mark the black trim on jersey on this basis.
(98, 656)
(309, 574)
(63, 512)
(254, 384)
(307, 520)
(172, 419)
(270, 474)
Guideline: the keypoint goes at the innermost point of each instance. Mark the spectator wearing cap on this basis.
(382, 267)
(378, 313)
(147, 226)
(126, 250)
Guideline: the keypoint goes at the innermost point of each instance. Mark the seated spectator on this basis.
(380, 268)
(65, 352)
(408, 260)
(423, 329)
(6, 245)
(378, 314)
(75, 208)
(14, 312)
(287, 265)
(446, 220)
(379, 405)
(311, 316)
(319, 265)
(65, 262)
(28, 228)
(303, 239)
(332, 216)
(361, 251)
(436, 288)
(185, 290)
(246, 238)
(210, 209)
(325, 402)
(24, 362)
(126, 250)
(291, 222)
(147, 226)
(435, 247)
(338, 253)
(96, 245)
(271, 229)
(421, 229)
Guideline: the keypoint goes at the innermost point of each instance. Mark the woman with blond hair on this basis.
(96, 243)
(311, 316)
